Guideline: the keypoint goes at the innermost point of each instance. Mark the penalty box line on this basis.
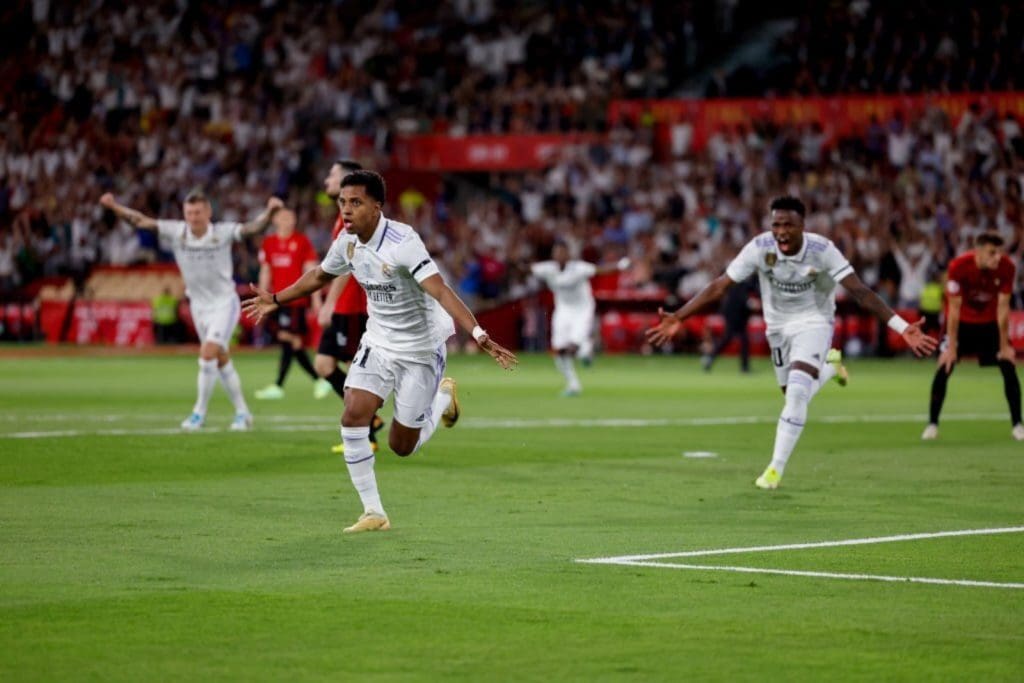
(652, 560)
(802, 546)
(824, 575)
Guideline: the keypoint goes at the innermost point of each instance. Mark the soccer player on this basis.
(202, 250)
(284, 256)
(342, 316)
(978, 290)
(798, 274)
(736, 311)
(411, 311)
(572, 322)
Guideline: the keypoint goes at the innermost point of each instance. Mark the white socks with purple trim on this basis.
(359, 459)
(799, 389)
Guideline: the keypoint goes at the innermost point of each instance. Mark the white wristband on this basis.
(898, 324)
(478, 333)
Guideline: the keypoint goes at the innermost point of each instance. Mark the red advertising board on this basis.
(120, 323)
(484, 152)
(840, 115)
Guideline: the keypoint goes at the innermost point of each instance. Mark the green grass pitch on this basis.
(131, 552)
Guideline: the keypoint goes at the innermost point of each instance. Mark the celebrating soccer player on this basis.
(202, 250)
(798, 274)
(978, 290)
(342, 316)
(411, 311)
(572, 322)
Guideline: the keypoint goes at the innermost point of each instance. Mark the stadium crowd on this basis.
(911, 46)
(252, 106)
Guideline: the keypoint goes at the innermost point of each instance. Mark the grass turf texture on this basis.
(148, 556)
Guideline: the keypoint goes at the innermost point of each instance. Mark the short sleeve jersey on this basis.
(796, 289)
(352, 300)
(979, 289)
(204, 262)
(402, 317)
(570, 285)
(287, 257)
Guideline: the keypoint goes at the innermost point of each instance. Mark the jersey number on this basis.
(777, 357)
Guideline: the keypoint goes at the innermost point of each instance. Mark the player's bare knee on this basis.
(403, 440)
(324, 365)
(353, 417)
(402, 444)
(208, 351)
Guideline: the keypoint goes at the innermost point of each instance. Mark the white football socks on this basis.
(794, 414)
(437, 408)
(566, 366)
(359, 459)
(204, 383)
(233, 385)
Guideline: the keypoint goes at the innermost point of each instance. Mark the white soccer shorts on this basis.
(217, 324)
(572, 327)
(808, 344)
(414, 380)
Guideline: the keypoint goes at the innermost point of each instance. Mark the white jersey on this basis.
(402, 317)
(570, 285)
(204, 262)
(794, 289)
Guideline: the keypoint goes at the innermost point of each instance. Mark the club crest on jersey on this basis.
(770, 259)
(385, 269)
(350, 252)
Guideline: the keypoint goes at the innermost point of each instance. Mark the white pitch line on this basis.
(651, 560)
(485, 423)
(826, 575)
(801, 546)
(150, 417)
(280, 423)
(160, 431)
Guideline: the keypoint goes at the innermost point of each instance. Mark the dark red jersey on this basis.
(352, 299)
(287, 258)
(979, 289)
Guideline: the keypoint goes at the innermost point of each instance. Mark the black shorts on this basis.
(290, 319)
(980, 340)
(341, 339)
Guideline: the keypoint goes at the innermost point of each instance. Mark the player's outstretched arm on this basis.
(260, 223)
(136, 218)
(919, 342)
(617, 267)
(669, 323)
(436, 287)
(266, 302)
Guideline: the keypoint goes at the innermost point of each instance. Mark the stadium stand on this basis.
(250, 99)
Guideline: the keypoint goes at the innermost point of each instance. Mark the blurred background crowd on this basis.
(253, 98)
